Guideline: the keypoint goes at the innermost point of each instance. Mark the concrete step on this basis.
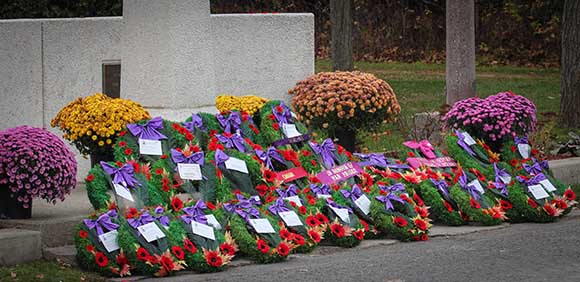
(19, 246)
(566, 170)
(64, 254)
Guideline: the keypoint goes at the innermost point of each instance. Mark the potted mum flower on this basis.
(92, 123)
(33, 163)
(343, 102)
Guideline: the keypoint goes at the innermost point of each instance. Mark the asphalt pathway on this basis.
(521, 252)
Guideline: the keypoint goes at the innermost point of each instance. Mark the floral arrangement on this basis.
(336, 100)
(92, 123)
(249, 104)
(495, 119)
(275, 118)
(35, 163)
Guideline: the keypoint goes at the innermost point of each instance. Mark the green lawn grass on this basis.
(420, 87)
(46, 271)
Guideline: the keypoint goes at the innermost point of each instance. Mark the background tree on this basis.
(341, 33)
(570, 70)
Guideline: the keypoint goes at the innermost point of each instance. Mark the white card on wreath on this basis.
(506, 179)
(189, 171)
(150, 147)
(213, 221)
(151, 232)
(323, 196)
(123, 192)
(290, 218)
(524, 150)
(364, 204)
(294, 199)
(290, 130)
(548, 185)
(342, 214)
(468, 139)
(237, 164)
(477, 186)
(109, 240)
(202, 230)
(538, 192)
(262, 225)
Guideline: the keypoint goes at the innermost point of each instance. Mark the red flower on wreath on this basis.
(83, 234)
(188, 136)
(418, 199)
(560, 203)
(298, 240)
(321, 217)
(210, 205)
(312, 221)
(269, 175)
(424, 237)
(411, 154)
(549, 209)
(178, 252)
(474, 204)
(570, 195)
(422, 225)
(364, 224)
(132, 213)
(276, 126)
(122, 144)
(513, 162)
(283, 249)
(359, 234)
(263, 246)
(262, 189)
(505, 205)
(337, 230)
(313, 162)
(213, 258)
(128, 151)
(90, 178)
(513, 148)
(302, 210)
(227, 249)
(142, 254)
(189, 246)
(167, 263)
(285, 234)
(314, 236)
(90, 248)
(122, 133)
(176, 204)
(399, 221)
(447, 206)
(532, 203)
(101, 259)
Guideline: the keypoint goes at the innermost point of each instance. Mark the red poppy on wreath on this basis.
(337, 230)
(122, 259)
(289, 155)
(532, 203)
(306, 153)
(405, 198)
(90, 248)
(263, 246)
(560, 203)
(167, 263)
(534, 152)
(132, 213)
(505, 205)
(159, 171)
(90, 178)
(227, 249)
(415, 238)
(418, 199)
(128, 151)
(315, 236)
(549, 209)
(302, 210)
(359, 234)
(177, 251)
(569, 194)
(189, 246)
(285, 234)
(364, 224)
(122, 144)
(513, 162)
(269, 175)
(262, 189)
(322, 218)
(474, 204)
(119, 164)
(83, 234)
(399, 221)
(276, 126)
(447, 206)
(424, 237)
(122, 133)
(411, 154)
(298, 240)
(101, 259)
(422, 211)
(188, 136)
(213, 258)
(176, 204)
(210, 205)
(142, 254)
(513, 148)
(313, 162)
(422, 225)
(283, 249)
(312, 201)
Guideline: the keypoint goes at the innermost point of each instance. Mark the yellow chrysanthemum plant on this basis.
(92, 123)
(249, 104)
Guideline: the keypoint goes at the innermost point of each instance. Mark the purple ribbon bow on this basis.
(163, 219)
(536, 179)
(285, 116)
(235, 140)
(123, 175)
(533, 169)
(373, 159)
(196, 122)
(462, 144)
(149, 130)
(353, 194)
(244, 207)
(232, 123)
(468, 187)
(522, 140)
(386, 199)
(499, 173)
(103, 221)
(323, 189)
(441, 186)
(278, 206)
(331, 203)
(292, 190)
(220, 157)
(145, 218)
(501, 187)
(195, 213)
(326, 151)
(425, 147)
(397, 187)
(180, 158)
(267, 156)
